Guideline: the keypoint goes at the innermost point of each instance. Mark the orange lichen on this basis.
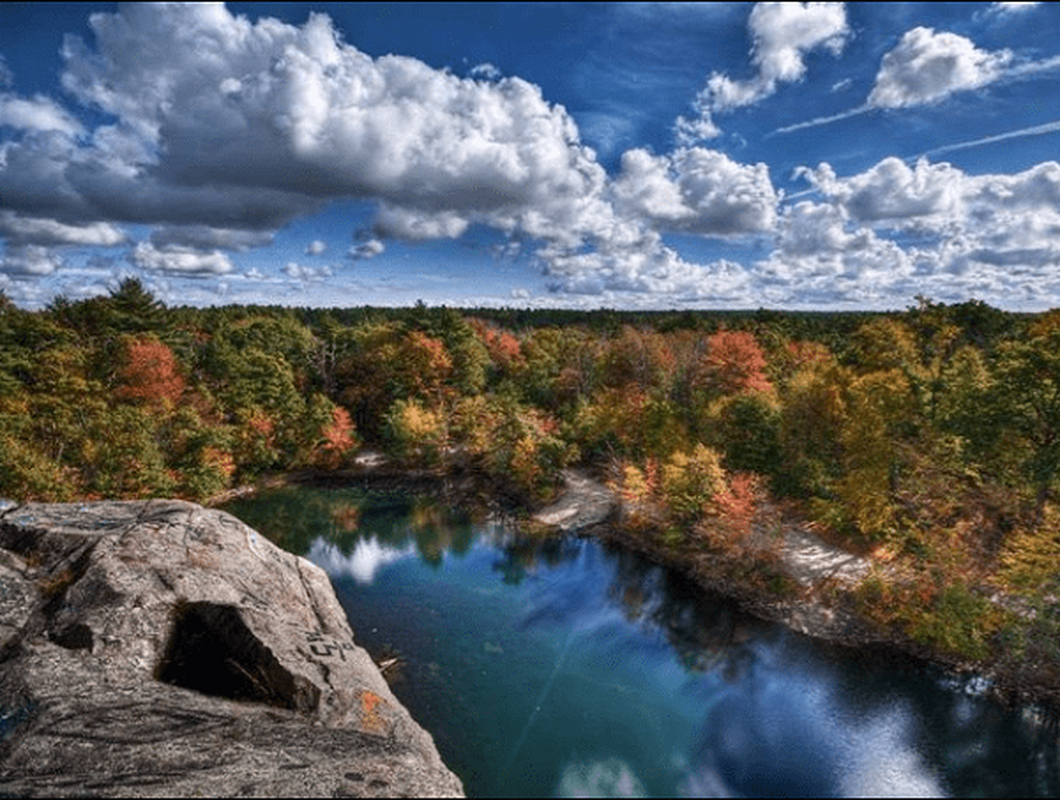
(371, 720)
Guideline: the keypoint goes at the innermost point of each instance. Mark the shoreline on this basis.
(823, 609)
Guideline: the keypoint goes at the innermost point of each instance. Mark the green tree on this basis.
(1026, 400)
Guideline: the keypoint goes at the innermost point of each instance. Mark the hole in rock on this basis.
(74, 637)
(212, 651)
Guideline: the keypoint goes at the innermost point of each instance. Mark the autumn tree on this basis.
(1026, 399)
(336, 436)
(368, 377)
(425, 364)
(876, 405)
(149, 373)
(733, 364)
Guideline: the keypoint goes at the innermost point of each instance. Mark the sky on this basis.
(635, 156)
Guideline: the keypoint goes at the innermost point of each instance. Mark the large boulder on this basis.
(160, 648)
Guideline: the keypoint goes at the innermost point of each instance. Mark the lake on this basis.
(563, 667)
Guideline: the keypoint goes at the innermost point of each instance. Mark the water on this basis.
(564, 668)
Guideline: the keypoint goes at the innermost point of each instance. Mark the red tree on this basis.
(734, 364)
(150, 373)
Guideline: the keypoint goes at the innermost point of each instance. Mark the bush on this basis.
(958, 622)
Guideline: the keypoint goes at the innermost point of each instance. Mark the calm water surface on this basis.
(565, 668)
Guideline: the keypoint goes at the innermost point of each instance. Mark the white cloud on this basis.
(38, 114)
(368, 249)
(895, 194)
(393, 222)
(317, 247)
(1012, 8)
(227, 125)
(816, 240)
(303, 273)
(204, 237)
(956, 235)
(695, 190)
(30, 260)
(485, 71)
(927, 67)
(646, 267)
(181, 260)
(783, 33)
(22, 230)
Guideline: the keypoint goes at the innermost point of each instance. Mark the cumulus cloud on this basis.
(695, 190)
(204, 237)
(38, 114)
(296, 109)
(783, 34)
(979, 235)
(30, 260)
(316, 247)
(816, 240)
(894, 193)
(226, 130)
(304, 273)
(23, 230)
(393, 222)
(927, 67)
(368, 249)
(181, 260)
(647, 267)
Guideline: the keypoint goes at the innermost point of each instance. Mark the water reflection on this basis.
(368, 556)
(561, 667)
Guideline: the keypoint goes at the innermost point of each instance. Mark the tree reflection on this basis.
(295, 517)
(706, 632)
(523, 555)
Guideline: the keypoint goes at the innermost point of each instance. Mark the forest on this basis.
(927, 439)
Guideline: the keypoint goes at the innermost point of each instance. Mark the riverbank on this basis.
(783, 572)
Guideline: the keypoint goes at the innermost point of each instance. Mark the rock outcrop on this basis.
(160, 648)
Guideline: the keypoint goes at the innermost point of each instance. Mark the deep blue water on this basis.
(564, 668)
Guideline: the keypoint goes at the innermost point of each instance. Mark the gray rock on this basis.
(583, 504)
(160, 648)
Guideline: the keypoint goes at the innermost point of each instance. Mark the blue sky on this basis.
(793, 155)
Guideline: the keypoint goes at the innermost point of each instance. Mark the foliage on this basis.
(338, 439)
(932, 435)
(149, 372)
(690, 482)
(1030, 557)
(417, 433)
(959, 621)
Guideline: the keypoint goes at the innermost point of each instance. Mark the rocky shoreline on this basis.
(162, 648)
(823, 604)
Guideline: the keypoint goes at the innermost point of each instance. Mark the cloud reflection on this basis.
(778, 736)
(367, 558)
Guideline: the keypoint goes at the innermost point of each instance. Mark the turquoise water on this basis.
(564, 668)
